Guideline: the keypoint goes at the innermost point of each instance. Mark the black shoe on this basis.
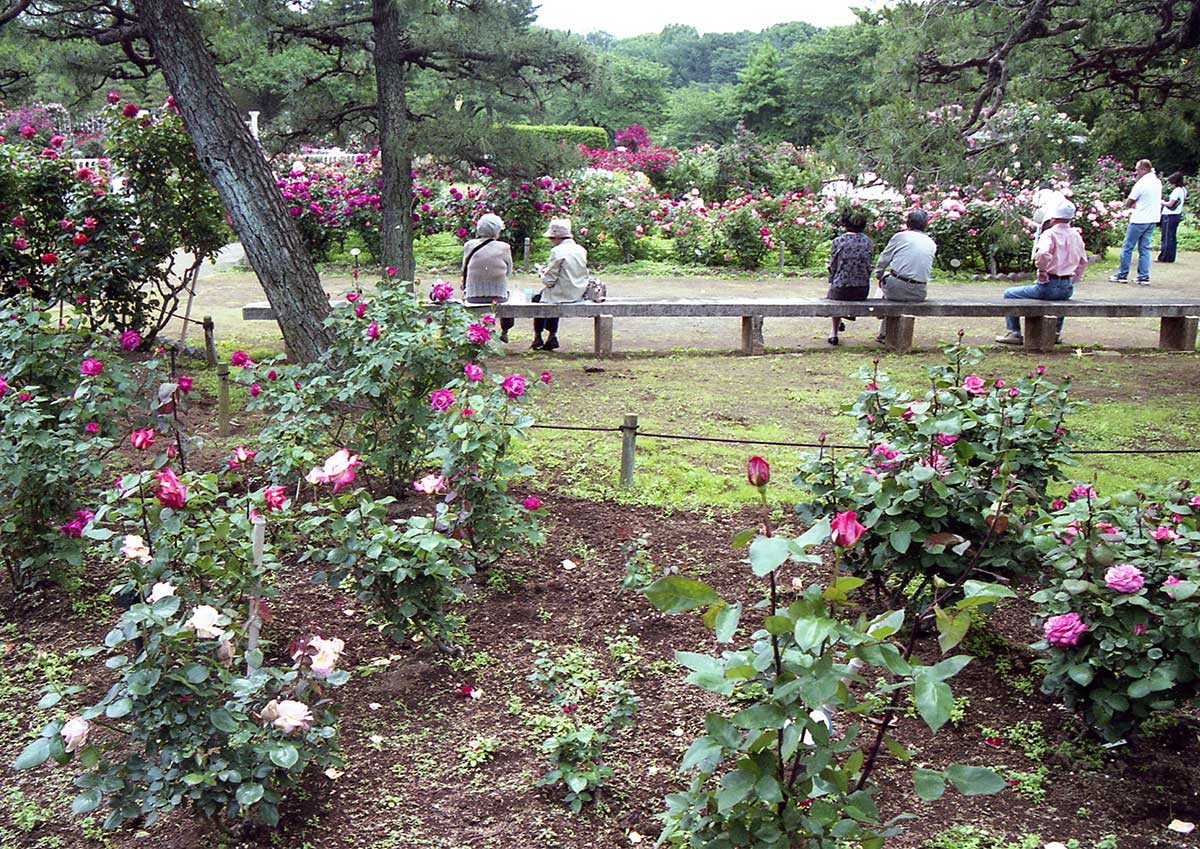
(841, 326)
(833, 340)
(551, 343)
(537, 345)
(504, 334)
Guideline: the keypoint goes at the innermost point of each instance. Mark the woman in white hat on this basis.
(564, 278)
(1060, 257)
(486, 266)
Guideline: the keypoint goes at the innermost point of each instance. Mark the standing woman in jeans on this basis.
(1060, 258)
(486, 266)
(1172, 211)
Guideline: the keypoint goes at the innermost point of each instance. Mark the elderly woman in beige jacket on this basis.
(486, 266)
(564, 279)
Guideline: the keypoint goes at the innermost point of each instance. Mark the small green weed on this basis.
(477, 751)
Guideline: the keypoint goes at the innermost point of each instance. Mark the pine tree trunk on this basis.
(241, 176)
(395, 144)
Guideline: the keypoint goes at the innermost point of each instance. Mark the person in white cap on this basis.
(1060, 257)
(564, 278)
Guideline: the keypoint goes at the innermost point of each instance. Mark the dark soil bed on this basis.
(406, 723)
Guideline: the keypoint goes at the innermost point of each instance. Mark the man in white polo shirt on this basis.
(1145, 199)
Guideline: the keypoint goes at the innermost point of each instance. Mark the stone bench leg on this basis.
(603, 327)
(752, 335)
(1177, 333)
(898, 332)
(1041, 332)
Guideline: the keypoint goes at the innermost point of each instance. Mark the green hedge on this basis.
(591, 136)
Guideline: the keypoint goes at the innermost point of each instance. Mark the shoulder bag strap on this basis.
(467, 262)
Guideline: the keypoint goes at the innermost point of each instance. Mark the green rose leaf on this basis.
(767, 554)
(223, 720)
(934, 700)
(35, 754)
(86, 802)
(249, 793)
(677, 594)
(121, 707)
(930, 784)
(285, 755)
(974, 780)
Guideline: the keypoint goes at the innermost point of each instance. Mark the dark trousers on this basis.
(1170, 226)
(550, 325)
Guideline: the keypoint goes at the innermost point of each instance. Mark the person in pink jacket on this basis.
(1060, 257)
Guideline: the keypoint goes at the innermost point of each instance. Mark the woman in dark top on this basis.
(850, 260)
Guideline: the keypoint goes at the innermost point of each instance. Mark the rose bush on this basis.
(66, 401)
(1119, 611)
(950, 477)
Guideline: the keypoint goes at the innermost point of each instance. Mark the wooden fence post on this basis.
(210, 342)
(628, 446)
(223, 400)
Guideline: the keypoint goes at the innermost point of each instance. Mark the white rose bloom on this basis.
(204, 621)
(160, 590)
(293, 715)
(135, 548)
(74, 733)
(328, 652)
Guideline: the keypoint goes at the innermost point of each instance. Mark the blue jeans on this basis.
(1136, 235)
(1054, 289)
(1169, 226)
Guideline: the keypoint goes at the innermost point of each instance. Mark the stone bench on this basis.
(1177, 327)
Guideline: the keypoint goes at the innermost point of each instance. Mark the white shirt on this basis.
(1147, 200)
(1178, 193)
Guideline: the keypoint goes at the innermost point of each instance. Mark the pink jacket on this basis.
(1060, 253)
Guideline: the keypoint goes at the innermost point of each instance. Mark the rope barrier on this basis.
(782, 444)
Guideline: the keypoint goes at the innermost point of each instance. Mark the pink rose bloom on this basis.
(1195, 502)
(326, 655)
(75, 733)
(4, 387)
(1057, 504)
(845, 529)
(1078, 492)
(90, 427)
(974, 385)
(130, 110)
(372, 330)
(352, 296)
(546, 378)
(275, 497)
(255, 389)
(430, 484)
(441, 291)
(338, 470)
(141, 439)
(1171, 581)
(531, 503)
(441, 400)
(90, 367)
(946, 440)
(488, 320)
(1139, 629)
(1125, 578)
(1065, 630)
(477, 334)
(72, 529)
(1164, 534)
(291, 715)
(907, 414)
(130, 340)
(513, 386)
(185, 385)
(241, 455)
(391, 270)
(240, 359)
(473, 372)
(170, 492)
(360, 309)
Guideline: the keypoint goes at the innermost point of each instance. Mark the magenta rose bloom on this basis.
(372, 330)
(946, 440)
(473, 372)
(3, 387)
(170, 492)
(546, 377)
(1078, 492)
(185, 385)
(240, 359)
(478, 334)
(1065, 630)
(531, 503)
(130, 340)
(275, 497)
(513, 386)
(845, 529)
(90, 367)
(441, 399)
(974, 385)
(441, 291)
(1125, 578)
(758, 471)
